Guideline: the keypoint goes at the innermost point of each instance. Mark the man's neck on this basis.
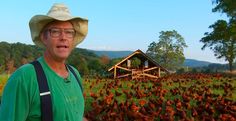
(58, 66)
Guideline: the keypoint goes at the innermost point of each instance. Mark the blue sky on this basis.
(120, 24)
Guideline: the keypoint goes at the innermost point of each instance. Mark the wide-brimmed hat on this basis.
(58, 12)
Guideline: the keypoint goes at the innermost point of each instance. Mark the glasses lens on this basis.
(56, 32)
(69, 33)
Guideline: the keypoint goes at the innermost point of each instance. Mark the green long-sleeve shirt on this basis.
(21, 100)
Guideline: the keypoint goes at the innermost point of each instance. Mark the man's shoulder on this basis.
(24, 70)
(22, 76)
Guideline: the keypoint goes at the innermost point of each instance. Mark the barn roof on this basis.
(139, 53)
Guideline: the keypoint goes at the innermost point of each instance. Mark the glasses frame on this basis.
(57, 32)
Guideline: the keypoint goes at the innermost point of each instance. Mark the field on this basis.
(3, 80)
(174, 97)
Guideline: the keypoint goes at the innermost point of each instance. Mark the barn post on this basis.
(114, 72)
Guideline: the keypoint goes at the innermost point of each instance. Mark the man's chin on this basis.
(63, 58)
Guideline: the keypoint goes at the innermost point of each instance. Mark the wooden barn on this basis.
(137, 65)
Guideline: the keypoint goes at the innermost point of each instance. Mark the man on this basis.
(58, 32)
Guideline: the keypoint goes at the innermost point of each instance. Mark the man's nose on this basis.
(63, 35)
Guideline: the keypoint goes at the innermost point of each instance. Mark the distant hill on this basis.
(195, 63)
(112, 54)
(121, 54)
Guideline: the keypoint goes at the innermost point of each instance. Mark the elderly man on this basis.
(48, 89)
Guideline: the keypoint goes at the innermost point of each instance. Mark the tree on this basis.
(95, 67)
(105, 59)
(222, 40)
(77, 60)
(225, 6)
(83, 67)
(135, 62)
(168, 52)
(114, 61)
(5, 49)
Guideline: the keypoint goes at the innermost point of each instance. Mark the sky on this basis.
(120, 24)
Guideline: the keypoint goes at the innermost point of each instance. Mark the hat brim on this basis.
(38, 22)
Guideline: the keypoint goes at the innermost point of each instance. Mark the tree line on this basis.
(13, 55)
(87, 62)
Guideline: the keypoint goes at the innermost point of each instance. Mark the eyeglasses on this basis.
(57, 32)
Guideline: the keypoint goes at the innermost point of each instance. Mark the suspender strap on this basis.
(45, 96)
(73, 72)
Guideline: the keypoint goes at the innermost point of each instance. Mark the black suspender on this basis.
(73, 72)
(45, 95)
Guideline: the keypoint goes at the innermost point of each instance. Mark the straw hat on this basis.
(58, 12)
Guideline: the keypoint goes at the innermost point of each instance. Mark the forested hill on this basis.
(88, 62)
(13, 55)
(195, 63)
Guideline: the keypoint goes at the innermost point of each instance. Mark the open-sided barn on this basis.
(137, 65)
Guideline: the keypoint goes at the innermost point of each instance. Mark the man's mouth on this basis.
(62, 46)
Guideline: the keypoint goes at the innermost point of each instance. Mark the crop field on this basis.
(187, 97)
(174, 97)
(3, 80)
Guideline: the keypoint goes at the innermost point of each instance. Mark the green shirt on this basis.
(21, 100)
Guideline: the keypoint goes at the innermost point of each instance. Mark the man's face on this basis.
(58, 38)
